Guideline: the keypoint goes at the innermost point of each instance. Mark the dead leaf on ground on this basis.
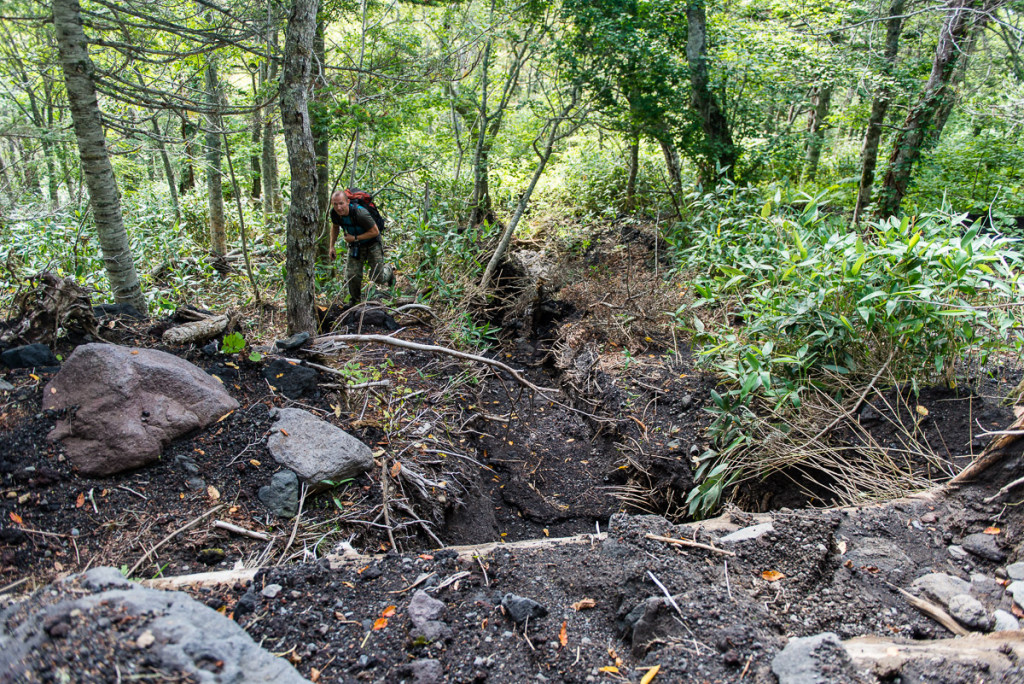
(15, 518)
(380, 623)
(395, 469)
(842, 547)
(1016, 610)
(772, 575)
(584, 604)
(145, 639)
(389, 611)
(212, 492)
(610, 669)
(80, 501)
(314, 675)
(992, 530)
(563, 635)
(651, 674)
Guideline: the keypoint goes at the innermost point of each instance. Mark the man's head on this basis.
(339, 202)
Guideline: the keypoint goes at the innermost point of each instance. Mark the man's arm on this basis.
(333, 238)
(361, 217)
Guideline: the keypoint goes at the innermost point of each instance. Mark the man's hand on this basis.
(350, 238)
(331, 254)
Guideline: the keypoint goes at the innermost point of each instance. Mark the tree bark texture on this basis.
(187, 180)
(816, 128)
(924, 122)
(321, 137)
(879, 108)
(214, 179)
(168, 169)
(303, 216)
(99, 175)
(720, 149)
(256, 183)
(634, 163)
(271, 182)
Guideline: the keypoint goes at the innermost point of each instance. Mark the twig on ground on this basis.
(419, 580)
(479, 560)
(295, 527)
(860, 400)
(12, 585)
(262, 536)
(1006, 488)
(687, 542)
(932, 611)
(132, 491)
(668, 594)
(384, 501)
(171, 536)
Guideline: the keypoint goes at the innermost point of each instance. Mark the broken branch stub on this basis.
(196, 331)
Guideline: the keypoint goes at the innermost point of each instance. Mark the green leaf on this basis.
(232, 344)
(858, 265)
(255, 357)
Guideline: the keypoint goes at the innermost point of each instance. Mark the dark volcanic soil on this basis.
(618, 437)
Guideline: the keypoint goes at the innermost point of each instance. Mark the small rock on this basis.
(5, 386)
(814, 660)
(423, 608)
(929, 518)
(984, 546)
(1015, 571)
(423, 671)
(521, 609)
(432, 630)
(281, 496)
(868, 414)
(314, 449)
(211, 348)
(290, 380)
(1016, 590)
(747, 533)
(686, 402)
(29, 356)
(211, 556)
(1004, 621)
(957, 552)
(271, 591)
(969, 612)
(293, 342)
(983, 585)
(941, 587)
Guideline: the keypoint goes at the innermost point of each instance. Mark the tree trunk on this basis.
(303, 215)
(256, 183)
(816, 128)
(720, 150)
(634, 163)
(99, 175)
(271, 183)
(925, 121)
(674, 167)
(168, 169)
(879, 108)
(188, 175)
(214, 181)
(320, 126)
(481, 203)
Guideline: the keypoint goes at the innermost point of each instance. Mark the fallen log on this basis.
(196, 331)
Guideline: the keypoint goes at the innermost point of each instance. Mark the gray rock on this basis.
(957, 552)
(281, 496)
(985, 586)
(747, 533)
(1016, 590)
(969, 612)
(817, 659)
(291, 380)
(5, 386)
(315, 449)
(187, 635)
(432, 630)
(880, 553)
(422, 671)
(271, 591)
(130, 404)
(1015, 571)
(686, 402)
(940, 587)
(1004, 621)
(984, 546)
(293, 342)
(423, 608)
(521, 609)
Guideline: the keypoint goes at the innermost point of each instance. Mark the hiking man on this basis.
(363, 239)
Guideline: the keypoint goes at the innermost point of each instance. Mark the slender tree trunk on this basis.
(188, 174)
(720, 150)
(816, 129)
(879, 108)
(214, 180)
(302, 214)
(674, 167)
(320, 126)
(271, 183)
(634, 163)
(28, 165)
(925, 121)
(99, 175)
(255, 180)
(481, 204)
(165, 159)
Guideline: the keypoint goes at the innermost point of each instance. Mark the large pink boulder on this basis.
(123, 405)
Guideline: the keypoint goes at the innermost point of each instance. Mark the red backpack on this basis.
(365, 200)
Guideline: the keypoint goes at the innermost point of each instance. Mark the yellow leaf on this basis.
(284, 432)
(992, 530)
(15, 518)
(651, 674)
(921, 410)
(314, 675)
(225, 416)
(254, 462)
(80, 501)
(395, 469)
(212, 492)
(349, 585)
(380, 623)
(772, 575)
(135, 352)
(611, 669)
(337, 410)
(229, 364)
(34, 376)
(389, 611)
(563, 635)
(584, 604)
(546, 533)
